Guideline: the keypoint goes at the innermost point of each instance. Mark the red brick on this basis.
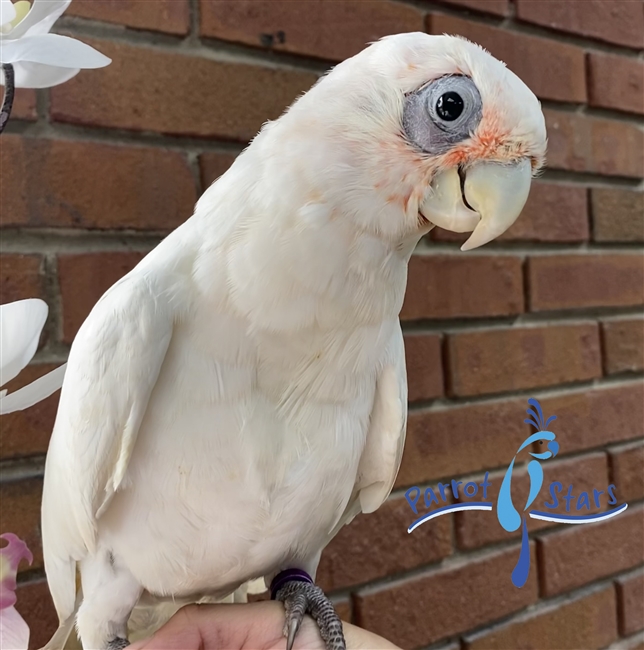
(20, 514)
(14, 189)
(213, 165)
(590, 281)
(36, 607)
(444, 602)
(498, 7)
(474, 529)
(615, 82)
(492, 361)
(457, 286)
(378, 545)
(21, 276)
(590, 144)
(24, 105)
(446, 442)
(628, 471)
(571, 558)
(586, 622)
(171, 16)
(26, 433)
(623, 345)
(630, 594)
(93, 185)
(424, 366)
(618, 215)
(555, 212)
(343, 609)
(591, 418)
(84, 278)
(151, 90)
(328, 30)
(552, 70)
(616, 21)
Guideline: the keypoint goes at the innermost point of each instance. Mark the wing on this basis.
(381, 457)
(113, 366)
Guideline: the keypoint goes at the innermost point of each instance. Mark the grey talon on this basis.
(300, 598)
(117, 643)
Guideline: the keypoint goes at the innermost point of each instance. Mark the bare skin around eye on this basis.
(254, 626)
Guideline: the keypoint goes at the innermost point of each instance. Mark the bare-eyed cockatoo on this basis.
(240, 395)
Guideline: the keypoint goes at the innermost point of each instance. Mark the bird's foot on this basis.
(301, 596)
(117, 643)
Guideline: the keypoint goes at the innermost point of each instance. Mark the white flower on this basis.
(20, 326)
(41, 59)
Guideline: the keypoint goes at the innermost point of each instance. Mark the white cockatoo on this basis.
(240, 395)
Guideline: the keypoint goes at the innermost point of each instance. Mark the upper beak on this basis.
(495, 192)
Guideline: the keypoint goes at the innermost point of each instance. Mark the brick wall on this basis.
(96, 171)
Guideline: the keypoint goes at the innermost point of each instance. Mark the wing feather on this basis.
(380, 460)
(113, 366)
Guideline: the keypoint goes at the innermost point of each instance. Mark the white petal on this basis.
(38, 75)
(7, 12)
(34, 392)
(14, 632)
(20, 326)
(41, 17)
(53, 49)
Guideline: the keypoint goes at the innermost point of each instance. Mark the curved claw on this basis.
(292, 627)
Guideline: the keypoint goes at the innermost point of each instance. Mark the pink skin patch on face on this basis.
(487, 145)
(491, 142)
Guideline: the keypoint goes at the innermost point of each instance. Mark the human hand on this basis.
(252, 626)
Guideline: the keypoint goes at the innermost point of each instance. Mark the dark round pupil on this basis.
(449, 106)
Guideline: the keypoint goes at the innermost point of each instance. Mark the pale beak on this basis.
(496, 193)
(444, 206)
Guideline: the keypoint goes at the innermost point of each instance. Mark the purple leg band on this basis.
(290, 575)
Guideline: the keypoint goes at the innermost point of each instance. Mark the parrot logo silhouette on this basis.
(508, 516)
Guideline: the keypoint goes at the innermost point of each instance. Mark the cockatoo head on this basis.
(424, 130)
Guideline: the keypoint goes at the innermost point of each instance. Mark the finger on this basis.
(179, 633)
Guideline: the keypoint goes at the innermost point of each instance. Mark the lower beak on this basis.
(488, 201)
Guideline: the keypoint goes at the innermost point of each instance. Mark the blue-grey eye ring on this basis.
(442, 113)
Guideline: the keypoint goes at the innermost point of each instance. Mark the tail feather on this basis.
(65, 629)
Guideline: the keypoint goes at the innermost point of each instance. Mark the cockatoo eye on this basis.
(449, 106)
(442, 113)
